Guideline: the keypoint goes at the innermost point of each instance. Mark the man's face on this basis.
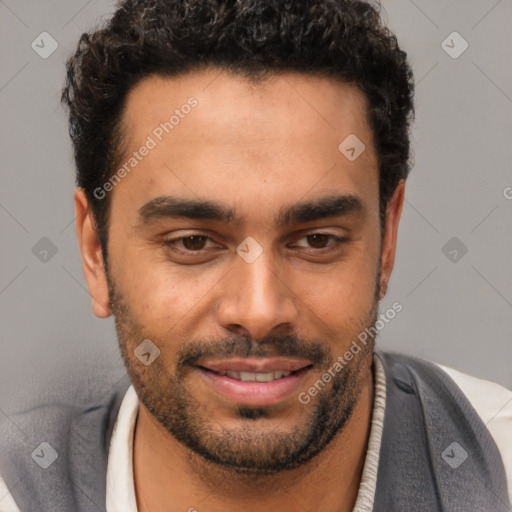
(259, 161)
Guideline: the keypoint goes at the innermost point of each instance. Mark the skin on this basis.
(256, 148)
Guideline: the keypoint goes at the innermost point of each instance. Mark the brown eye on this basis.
(194, 242)
(318, 240)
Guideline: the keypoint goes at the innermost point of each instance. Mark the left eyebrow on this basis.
(324, 207)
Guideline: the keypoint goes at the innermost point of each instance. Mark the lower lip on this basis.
(255, 393)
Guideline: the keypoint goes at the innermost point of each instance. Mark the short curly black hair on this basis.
(343, 39)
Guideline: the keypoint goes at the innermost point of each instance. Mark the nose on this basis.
(257, 301)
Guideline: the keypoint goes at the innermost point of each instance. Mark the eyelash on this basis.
(172, 243)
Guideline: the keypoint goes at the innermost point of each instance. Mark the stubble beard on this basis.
(246, 449)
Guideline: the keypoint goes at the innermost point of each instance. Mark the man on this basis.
(241, 174)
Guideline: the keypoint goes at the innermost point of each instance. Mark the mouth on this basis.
(255, 381)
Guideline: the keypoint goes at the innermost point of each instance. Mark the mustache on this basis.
(243, 346)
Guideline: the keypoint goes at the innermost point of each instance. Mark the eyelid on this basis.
(173, 241)
(337, 238)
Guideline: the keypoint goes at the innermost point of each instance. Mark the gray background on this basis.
(458, 313)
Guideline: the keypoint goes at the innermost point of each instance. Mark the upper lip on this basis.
(254, 364)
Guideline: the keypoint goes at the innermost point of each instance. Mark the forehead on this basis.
(214, 134)
(286, 104)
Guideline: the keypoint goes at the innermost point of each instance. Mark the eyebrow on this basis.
(170, 206)
(321, 208)
(173, 207)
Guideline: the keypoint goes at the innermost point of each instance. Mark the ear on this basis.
(92, 257)
(393, 214)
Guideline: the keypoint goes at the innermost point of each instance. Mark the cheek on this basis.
(340, 299)
(344, 296)
(163, 297)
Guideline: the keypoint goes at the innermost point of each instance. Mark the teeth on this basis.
(264, 377)
(256, 377)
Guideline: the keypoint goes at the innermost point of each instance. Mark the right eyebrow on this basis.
(170, 206)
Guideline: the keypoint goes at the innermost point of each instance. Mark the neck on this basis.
(169, 477)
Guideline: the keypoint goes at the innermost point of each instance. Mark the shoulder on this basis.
(459, 395)
(71, 438)
(493, 403)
